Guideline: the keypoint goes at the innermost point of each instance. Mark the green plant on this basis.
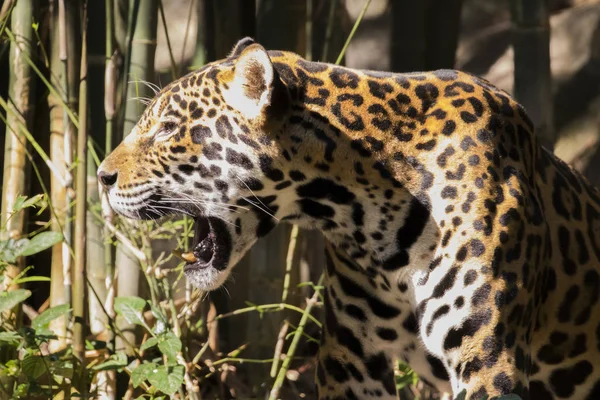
(32, 372)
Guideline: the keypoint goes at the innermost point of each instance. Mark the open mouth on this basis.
(211, 246)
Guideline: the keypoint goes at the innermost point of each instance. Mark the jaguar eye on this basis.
(167, 128)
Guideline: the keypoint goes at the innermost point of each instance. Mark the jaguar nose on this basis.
(107, 179)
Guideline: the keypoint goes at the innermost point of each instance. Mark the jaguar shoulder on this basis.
(454, 241)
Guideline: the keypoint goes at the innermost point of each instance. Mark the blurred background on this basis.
(96, 306)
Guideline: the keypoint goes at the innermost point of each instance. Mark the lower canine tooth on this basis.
(189, 257)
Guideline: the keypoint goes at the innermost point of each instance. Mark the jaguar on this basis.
(455, 242)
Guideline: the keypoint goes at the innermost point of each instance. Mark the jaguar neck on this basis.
(388, 227)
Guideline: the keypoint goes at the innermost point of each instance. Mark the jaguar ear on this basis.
(240, 46)
(252, 80)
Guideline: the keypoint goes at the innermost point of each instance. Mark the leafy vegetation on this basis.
(120, 321)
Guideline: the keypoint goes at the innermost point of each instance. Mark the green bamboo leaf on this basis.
(10, 337)
(169, 344)
(33, 366)
(40, 242)
(166, 380)
(116, 361)
(32, 279)
(9, 299)
(131, 307)
(149, 343)
(49, 315)
(32, 201)
(141, 373)
(18, 204)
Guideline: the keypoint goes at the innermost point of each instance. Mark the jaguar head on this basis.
(205, 147)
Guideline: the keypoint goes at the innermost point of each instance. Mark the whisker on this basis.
(201, 201)
(253, 194)
(226, 291)
(184, 201)
(156, 210)
(260, 208)
(191, 215)
(144, 100)
(152, 86)
(161, 207)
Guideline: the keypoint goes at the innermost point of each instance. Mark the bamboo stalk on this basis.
(442, 32)
(140, 64)
(6, 7)
(174, 69)
(200, 52)
(51, 86)
(329, 29)
(533, 78)
(107, 379)
(232, 22)
(187, 29)
(308, 30)
(63, 37)
(110, 74)
(110, 89)
(285, 25)
(61, 100)
(408, 55)
(21, 130)
(19, 112)
(79, 277)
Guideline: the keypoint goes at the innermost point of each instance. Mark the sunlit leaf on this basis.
(33, 201)
(11, 249)
(18, 204)
(159, 315)
(41, 241)
(149, 343)
(166, 380)
(49, 315)
(141, 373)
(131, 307)
(9, 299)
(169, 344)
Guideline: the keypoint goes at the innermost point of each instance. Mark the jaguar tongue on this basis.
(205, 250)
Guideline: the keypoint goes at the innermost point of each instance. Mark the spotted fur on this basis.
(455, 242)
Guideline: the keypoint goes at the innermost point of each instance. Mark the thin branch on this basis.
(295, 340)
(126, 242)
